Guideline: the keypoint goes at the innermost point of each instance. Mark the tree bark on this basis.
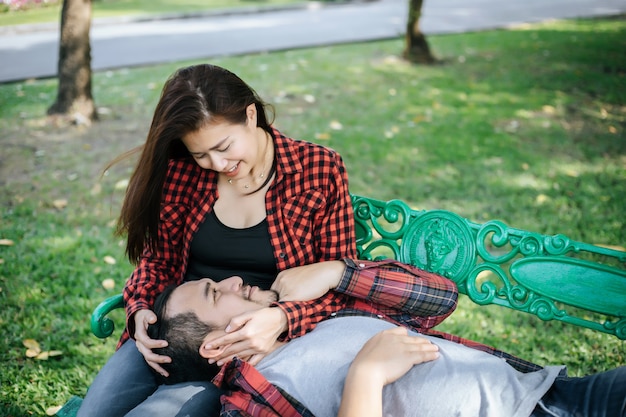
(416, 48)
(74, 97)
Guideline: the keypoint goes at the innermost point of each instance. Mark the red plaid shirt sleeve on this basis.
(302, 316)
(417, 298)
(405, 294)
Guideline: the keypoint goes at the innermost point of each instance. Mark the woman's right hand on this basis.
(145, 344)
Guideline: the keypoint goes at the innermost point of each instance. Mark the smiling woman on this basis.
(217, 192)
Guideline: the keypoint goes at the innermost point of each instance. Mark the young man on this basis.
(306, 376)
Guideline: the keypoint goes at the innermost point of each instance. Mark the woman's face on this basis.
(230, 149)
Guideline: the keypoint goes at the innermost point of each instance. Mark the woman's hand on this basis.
(142, 319)
(251, 335)
(308, 282)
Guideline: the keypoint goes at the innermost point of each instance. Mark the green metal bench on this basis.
(551, 277)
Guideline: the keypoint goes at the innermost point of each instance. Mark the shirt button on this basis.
(282, 255)
(361, 265)
(333, 314)
(380, 316)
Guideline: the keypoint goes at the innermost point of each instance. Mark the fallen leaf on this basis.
(50, 411)
(32, 353)
(96, 189)
(335, 125)
(59, 204)
(110, 260)
(121, 184)
(322, 136)
(31, 344)
(541, 198)
(6, 242)
(108, 284)
(43, 356)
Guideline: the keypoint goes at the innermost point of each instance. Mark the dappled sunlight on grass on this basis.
(526, 126)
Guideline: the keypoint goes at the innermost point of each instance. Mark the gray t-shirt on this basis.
(461, 382)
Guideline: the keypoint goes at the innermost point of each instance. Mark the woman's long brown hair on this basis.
(192, 97)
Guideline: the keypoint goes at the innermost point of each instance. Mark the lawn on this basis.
(51, 12)
(525, 125)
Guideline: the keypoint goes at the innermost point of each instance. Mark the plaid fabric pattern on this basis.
(252, 395)
(382, 288)
(309, 215)
(393, 291)
(387, 290)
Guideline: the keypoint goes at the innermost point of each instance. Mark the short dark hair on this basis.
(184, 333)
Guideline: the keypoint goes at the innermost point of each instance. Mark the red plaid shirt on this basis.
(388, 290)
(309, 216)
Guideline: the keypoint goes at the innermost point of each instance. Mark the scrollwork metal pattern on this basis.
(467, 252)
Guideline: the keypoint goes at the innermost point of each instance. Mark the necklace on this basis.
(262, 175)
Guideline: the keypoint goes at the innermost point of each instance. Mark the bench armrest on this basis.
(101, 325)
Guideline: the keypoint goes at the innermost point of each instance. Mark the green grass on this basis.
(524, 125)
(116, 8)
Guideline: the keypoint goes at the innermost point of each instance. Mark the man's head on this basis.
(187, 314)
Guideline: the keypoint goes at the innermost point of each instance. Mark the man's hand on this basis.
(390, 354)
(386, 357)
(142, 319)
(250, 335)
(308, 282)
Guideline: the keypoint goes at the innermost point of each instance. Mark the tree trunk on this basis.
(74, 97)
(416, 48)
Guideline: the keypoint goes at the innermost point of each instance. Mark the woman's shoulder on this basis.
(183, 175)
(181, 168)
(303, 149)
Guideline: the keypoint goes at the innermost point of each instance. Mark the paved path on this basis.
(32, 51)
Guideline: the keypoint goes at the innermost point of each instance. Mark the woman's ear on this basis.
(251, 114)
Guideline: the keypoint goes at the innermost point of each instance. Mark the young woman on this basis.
(217, 192)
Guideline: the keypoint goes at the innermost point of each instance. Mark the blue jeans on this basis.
(126, 386)
(598, 395)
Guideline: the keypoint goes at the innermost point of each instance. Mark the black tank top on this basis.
(218, 252)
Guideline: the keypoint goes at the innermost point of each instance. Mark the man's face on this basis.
(218, 302)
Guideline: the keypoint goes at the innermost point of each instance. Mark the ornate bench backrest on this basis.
(552, 277)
